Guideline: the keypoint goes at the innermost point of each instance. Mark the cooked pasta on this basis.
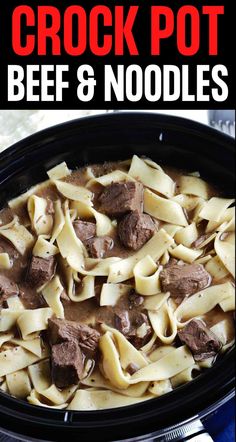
(108, 276)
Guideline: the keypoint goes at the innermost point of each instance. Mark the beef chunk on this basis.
(135, 300)
(181, 280)
(142, 331)
(135, 229)
(7, 288)
(122, 322)
(119, 198)
(140, 319)
(7, 247)
(30, 298)
(40, 270)
(67, 364)
(61, 330)
(84, 230)
(132, 368)
(202, 342)
(99, 246)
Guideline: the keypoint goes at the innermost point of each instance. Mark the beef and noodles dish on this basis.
(116, 285)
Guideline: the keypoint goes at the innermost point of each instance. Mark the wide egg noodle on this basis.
(96, 380)
(184, 376)
(103, 223)
(165, 368)
(5, 337)
(98, 267)
(41, 221)
(164, 209)
(155, 247)
(160, 352)
(59, 171)
(185, 253)
(171, 229)
(151, 177)
(165, 258)
(111, 362)
(116, 176)
(224, 330)
(87, 292)
(19, 201)
(226, 252)
(43, 248)
(216, 268)
(186, 201)
(19, 384)
(164, 323)
(59, 221)
(187, 235)
(34, 345)
(228, 216)
(111, 293)
(155, 302)
(74, 193)
(15, 359)
(70, 246)
(15, 303)
(52, 295)
(8, 318)
(33, 321)
(202, 302)
(87, 400)
(191, 185)
(146, 275)
(19, 236)
(5, 261)
(158, 388)
(128, 354)
(35, 399)
(40, 375)
(149, 345)
(228, 304)
(214, 209)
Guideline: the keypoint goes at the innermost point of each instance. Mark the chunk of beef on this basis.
(84, 230)
(119, 198)
(140, 319)
(7, 247)
(30, 298)
(135, 229)
(99, 246)
(62, 330)
(182, 280)
(40, 270)
(135, 300)
(132, 368)
(67, 364)
(202, 342)
(122, 322)
(8, 288)
(142, 331)
(198, 242)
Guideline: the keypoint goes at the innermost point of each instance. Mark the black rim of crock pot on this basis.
(186, 401)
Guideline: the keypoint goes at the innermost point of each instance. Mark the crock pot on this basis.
(180, 414)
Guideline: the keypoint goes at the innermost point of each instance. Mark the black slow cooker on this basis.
(172, 141)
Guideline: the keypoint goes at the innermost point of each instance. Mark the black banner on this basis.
(116, 54)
